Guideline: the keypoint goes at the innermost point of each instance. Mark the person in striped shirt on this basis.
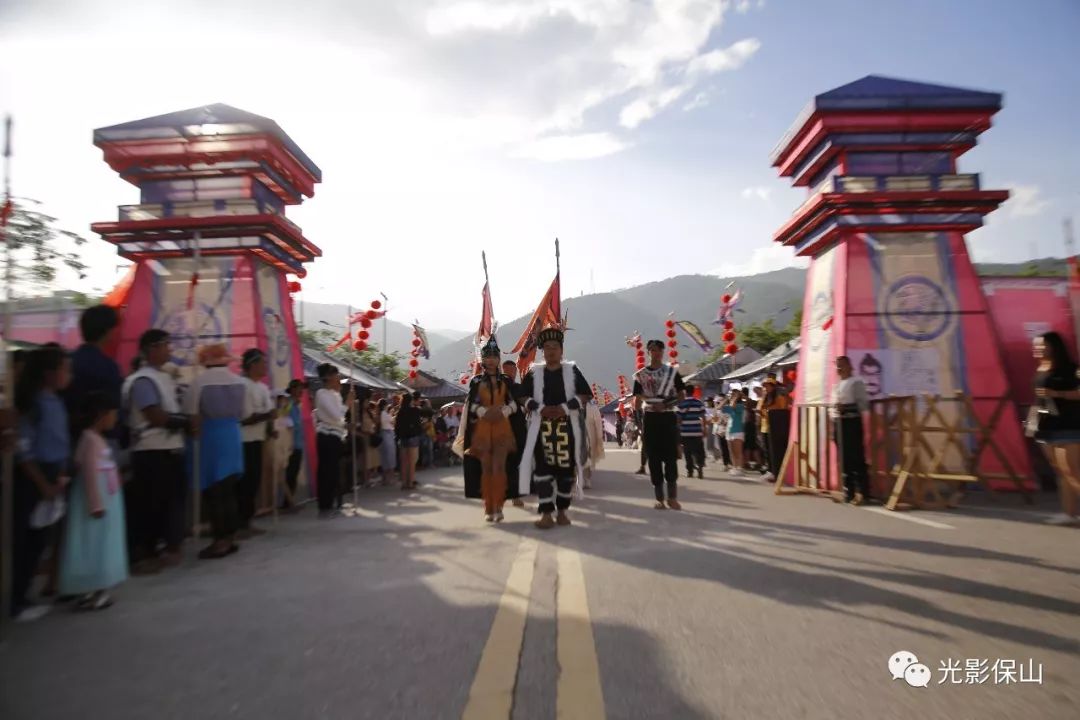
(692, 429)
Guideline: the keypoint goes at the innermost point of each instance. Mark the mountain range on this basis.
(600, 323)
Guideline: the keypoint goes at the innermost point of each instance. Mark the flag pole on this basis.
(483, 256)
(196, 446)
(352, 417)
(7, 479)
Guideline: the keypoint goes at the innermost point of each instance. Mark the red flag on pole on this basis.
(546, 314)
(487, 317)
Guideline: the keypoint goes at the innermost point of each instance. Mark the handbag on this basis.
(1042, 421)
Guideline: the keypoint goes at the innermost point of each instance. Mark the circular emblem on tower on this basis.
(917, 308)
(179, 324)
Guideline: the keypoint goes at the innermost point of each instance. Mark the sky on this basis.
(638, 133)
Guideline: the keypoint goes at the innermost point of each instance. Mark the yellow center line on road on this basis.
(579, 692)
(492, 692)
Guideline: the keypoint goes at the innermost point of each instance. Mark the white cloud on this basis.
(700, 100)
(729, 58)
(571, 147)
(756, 191)
(773, 256)
(1025, 201)
(647, 106)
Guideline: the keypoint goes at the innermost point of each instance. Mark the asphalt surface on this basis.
(743, 605)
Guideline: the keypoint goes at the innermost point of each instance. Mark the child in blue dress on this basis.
(95, 546)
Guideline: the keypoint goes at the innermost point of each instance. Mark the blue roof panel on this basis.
(875, 92)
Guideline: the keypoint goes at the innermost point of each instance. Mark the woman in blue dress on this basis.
(94, 552)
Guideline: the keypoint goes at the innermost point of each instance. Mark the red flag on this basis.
(548, 312)
(486, 317)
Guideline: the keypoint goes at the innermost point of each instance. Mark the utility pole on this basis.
(386, 312)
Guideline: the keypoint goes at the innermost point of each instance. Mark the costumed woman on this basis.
(489, 438)
(555, 394)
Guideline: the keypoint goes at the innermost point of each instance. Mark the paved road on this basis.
(744, 605)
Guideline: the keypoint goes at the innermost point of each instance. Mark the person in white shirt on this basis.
(850, 401)
(258, 413)
(330, 433)
(388, 446)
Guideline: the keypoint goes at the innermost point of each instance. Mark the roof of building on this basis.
(876, 92)
(224, 119)
(716, 371)
(781, 356)
(434, 387)
(349, 372)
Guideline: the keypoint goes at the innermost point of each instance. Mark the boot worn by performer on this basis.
(554, 394)
(657, 390)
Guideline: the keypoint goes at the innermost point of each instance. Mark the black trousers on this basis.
(849, 434)
(725, 450)
(156, 501)
(330, 449)
(694, 453)
(292, 471)
(766, 448)
(248, 486)
(554, 463)
(27, 543)
(662, 447)
(220, 502)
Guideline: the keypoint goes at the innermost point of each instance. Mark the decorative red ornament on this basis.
(375, 304)
(640, 365)
(728, 325)
(464, 381)
(294, 287)
(372, 314)
(639, 346)
(670, 323)
(791, 375)
(673, 354)
(671, 333)
(363, 334)
(731, 349)
(416, 342)
(365, 323)
(673, 344)
(359, 346)
(414, 363)
(697, 392)
(729, 336)
(412, 374)
(726, 298)
(827, 324)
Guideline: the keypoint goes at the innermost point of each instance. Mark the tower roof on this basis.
(876, 92)
(209, 120)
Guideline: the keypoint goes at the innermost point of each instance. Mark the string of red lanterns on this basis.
(672, 343)
(729, 330)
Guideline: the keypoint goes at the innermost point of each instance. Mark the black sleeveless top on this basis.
(1063, 380)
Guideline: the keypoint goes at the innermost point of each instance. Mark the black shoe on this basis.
(701, 474)
(640, 470)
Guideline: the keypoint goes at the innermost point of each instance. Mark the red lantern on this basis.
(464, 381)
(726, 298)
(673, 354)
(640, 365)
(697, 392)
(416, 342)
(365, 323)
(670, 323)
(672, 344)
(671, 333)
(294, 287)
(639, 346)
(729, 336)
(791, 375)
(412, 374)
(372, 314)
(728, 325)
(359, 346)
(375, 304)
(363, 334)
(414, 363)
(731, 349)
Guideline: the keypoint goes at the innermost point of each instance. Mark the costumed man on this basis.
(518, 425)
(850, 400)
(554, 394)
(658, 388)
(489, 438)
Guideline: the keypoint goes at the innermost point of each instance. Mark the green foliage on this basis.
(40, 249)
(762, 336)
(388, 366)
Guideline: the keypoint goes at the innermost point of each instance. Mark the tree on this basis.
(762, 336)
(40, 249)
(389, 366)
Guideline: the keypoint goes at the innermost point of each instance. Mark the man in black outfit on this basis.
(658, 388)
(554, 395)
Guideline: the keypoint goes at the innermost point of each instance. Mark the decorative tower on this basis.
(890, 282)
(209, 238)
